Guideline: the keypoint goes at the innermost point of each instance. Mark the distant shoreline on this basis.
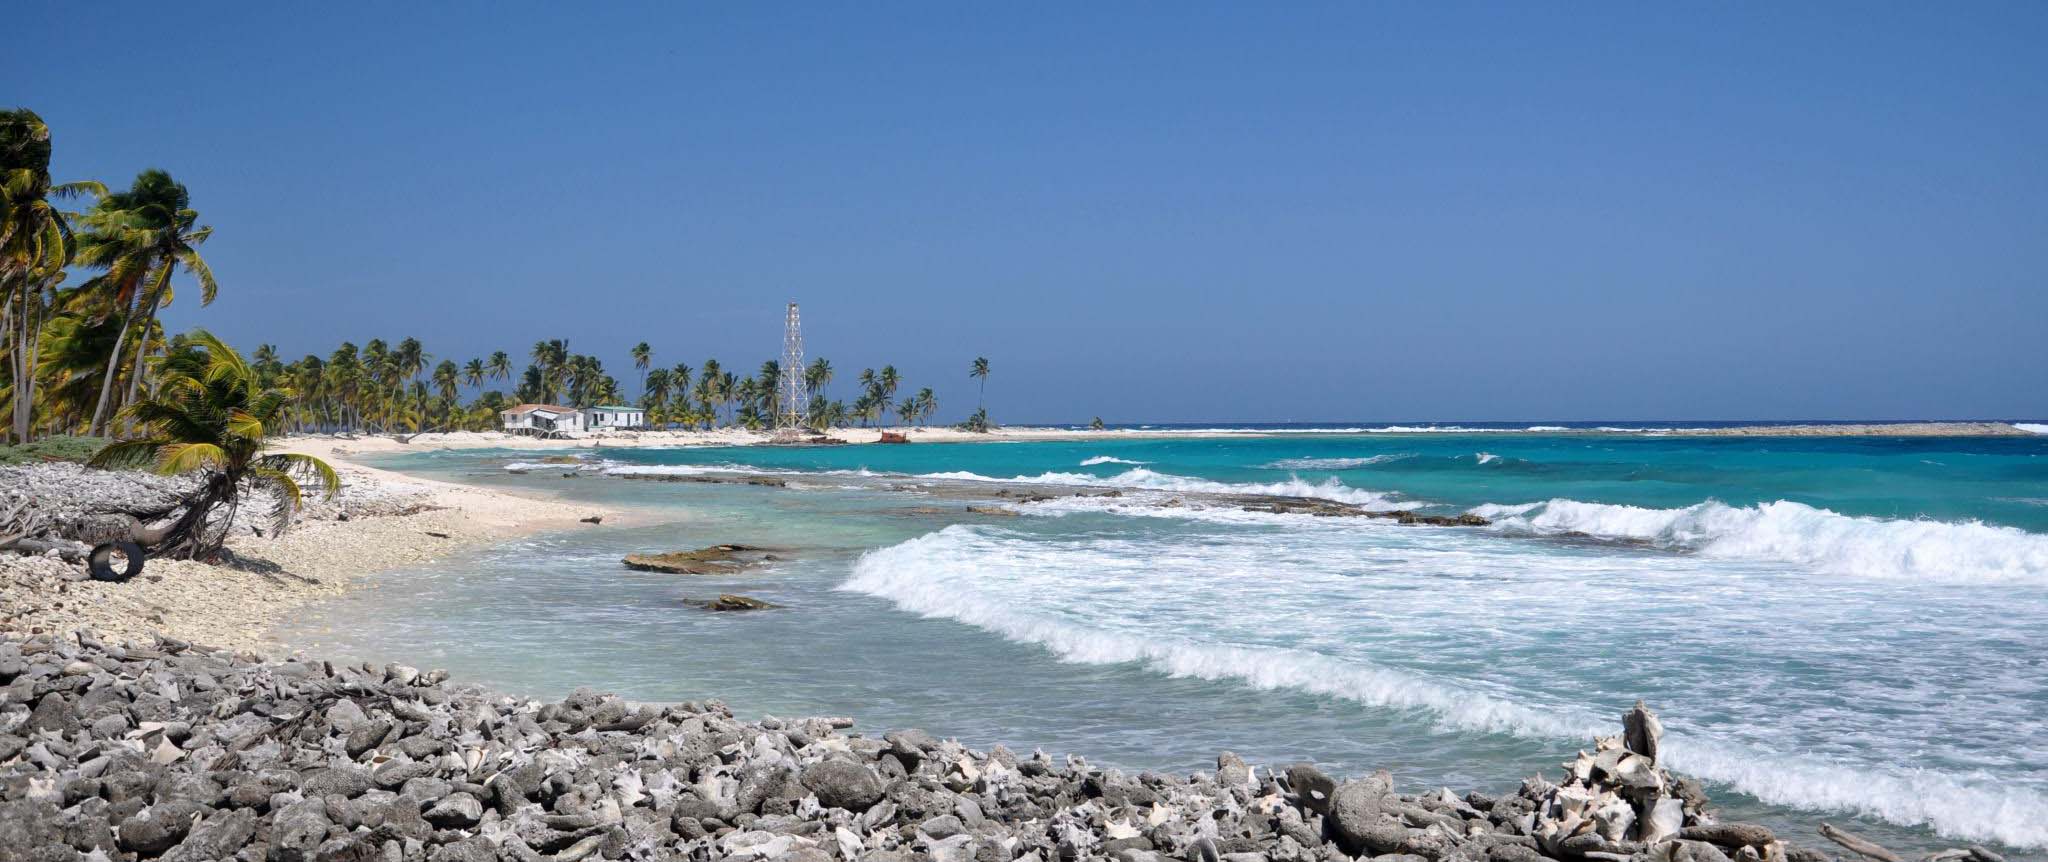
(347, 445)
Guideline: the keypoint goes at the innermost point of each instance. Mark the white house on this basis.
(599, 418)
(542, 419)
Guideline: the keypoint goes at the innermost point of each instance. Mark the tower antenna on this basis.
(794, 398)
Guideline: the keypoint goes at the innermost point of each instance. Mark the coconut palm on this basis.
(927, 403)
(411, 358)
(979, 372)
(500, 366)
(679, 381)
(35, 245)
(473, 372)
(643, 356)
(447, 379)
(818, 375)
(140, 237)
(211, 416)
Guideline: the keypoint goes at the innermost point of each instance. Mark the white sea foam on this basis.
(1791, 532)
(1486, 457)
(529, 466)
(959, 573)
(1105, 459)
(688, 470)
(932, 575)
(1142, 479)
(1334, 463)
(2031, 426)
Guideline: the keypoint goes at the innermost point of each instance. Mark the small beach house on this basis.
(542, 419)
(605, 418)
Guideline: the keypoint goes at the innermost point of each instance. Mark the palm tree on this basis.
(212, 417)
(473, 372)
(656, 388)
(411, 358)
(447, 379)
(35, 245)
(979, 372)
(642, 357)
(818, 375)
(500, 366)
(140, 237)
(927, 403)
(679, 380)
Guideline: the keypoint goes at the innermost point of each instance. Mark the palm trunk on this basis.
(141, 347)
(99, 413)
(28, 330)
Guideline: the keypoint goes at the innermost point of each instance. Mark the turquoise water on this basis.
(1852, 628)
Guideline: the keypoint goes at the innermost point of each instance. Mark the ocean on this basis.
(1842, 628)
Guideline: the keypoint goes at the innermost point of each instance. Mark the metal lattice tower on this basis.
(794, 397)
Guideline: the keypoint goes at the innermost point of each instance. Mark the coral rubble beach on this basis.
(161, 749)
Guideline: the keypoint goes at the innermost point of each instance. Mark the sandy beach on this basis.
(380, 521)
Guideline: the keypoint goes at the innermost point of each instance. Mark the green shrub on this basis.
(52, 449)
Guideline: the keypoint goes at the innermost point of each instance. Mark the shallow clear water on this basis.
(1855, 628)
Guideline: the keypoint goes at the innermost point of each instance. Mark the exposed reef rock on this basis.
(714, 560)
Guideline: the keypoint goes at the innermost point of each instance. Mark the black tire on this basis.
(100, 561)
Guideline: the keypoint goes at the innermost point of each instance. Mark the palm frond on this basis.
(207, 288)
(175, 458)
(284, 491)
(307, 466)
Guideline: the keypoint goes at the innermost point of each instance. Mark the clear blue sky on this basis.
(1150, 211)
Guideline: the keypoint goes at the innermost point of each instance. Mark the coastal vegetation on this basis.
(212, 416)
(81, 294)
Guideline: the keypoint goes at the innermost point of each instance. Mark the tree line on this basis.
(80, 294)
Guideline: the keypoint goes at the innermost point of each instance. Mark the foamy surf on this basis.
(1790, 532)
(1143, 479)
(960, 574)
(1106, 459)
(1333, 463)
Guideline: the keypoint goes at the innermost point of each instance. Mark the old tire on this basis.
(100, 562)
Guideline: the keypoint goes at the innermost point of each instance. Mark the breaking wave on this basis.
(1486, 457)
(1105, 459)
(935, 575)
(1790, 532)
(1334, 463)
(1142, 479)
(2030, 426)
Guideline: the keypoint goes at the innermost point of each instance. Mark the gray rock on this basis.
(159, 827)
(1358, 819)
(843, 784)
(455, 810)
(1312, 789)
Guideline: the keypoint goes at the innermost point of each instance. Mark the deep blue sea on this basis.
(1842, 627)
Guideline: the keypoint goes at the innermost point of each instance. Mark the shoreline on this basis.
(382, 520)
(342, 447)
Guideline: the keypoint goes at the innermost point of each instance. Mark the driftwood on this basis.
(1858, 845)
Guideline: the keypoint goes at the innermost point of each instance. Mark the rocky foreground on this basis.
(174, 752)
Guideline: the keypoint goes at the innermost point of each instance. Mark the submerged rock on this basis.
(730, 602)
(714, 560)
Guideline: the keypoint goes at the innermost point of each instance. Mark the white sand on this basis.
(390, 522)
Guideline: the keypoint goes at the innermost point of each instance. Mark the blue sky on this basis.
(1147, 212)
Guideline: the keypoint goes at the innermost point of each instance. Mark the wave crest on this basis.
(935, 575)
(1106, 459)
(1790, 532)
